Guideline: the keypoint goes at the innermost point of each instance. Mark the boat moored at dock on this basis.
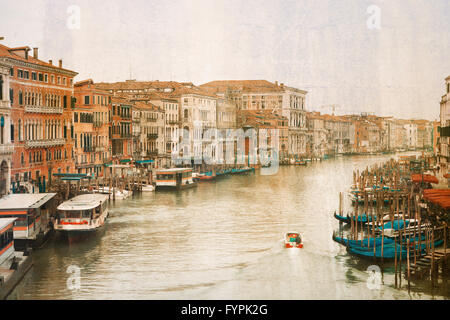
(81, 214)
(174, 179)
(33, 211)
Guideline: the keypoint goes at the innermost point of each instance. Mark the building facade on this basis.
(41, 117)
(6, 147)
(91, 124)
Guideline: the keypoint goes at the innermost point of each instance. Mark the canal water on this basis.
(222, 240)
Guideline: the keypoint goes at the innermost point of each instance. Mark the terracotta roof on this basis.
(10, 53)
(146, 106)
(246, 86)
(440, 197)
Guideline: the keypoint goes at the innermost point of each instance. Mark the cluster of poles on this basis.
(382, 196)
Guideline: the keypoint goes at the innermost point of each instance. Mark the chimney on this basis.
(35, 53)
(60, 63)
(50, 61)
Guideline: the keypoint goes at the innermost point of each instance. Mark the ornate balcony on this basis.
(152, 136)
(6, 149)
(45, 143)
(43, 109)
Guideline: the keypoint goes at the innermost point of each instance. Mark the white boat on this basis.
(148, 188)
(119, 195)
(81, 214)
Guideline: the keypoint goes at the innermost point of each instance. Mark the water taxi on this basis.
(175, 179)
(81, 214)
(33, 211)
(293, 240)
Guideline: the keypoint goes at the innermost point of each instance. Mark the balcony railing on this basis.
(88, 149)
(151, 119)
(126, 135)
(173, 122)
(98, 124)
(4, 104)
(152, 136)
(44, 143)
(43, 109)
(152, 152)
(6, 149)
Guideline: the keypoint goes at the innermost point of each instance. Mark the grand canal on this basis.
(222, 240)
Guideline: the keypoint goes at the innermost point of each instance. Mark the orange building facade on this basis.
(91, 121)
(41, 97)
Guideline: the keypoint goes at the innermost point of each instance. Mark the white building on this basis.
(6, 147)
(411, 135)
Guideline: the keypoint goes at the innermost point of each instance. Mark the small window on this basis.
(11, 72)
(86, 100)
(52, 77)
(34, 76)
(46, 78)
(41, 77)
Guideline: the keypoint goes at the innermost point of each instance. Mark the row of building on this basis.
(51, 124)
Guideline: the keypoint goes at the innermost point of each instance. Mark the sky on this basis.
(386, 57)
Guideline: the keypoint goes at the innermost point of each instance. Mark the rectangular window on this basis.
(12, 132)
(59, 80)
(20, 98)
(86, 100)
(52, 77)
(11, 72)
(20, 74)
(46, 78)
(65, 101)
(41, 77)
(64, 81)
(11, 95)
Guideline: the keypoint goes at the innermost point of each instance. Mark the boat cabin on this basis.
(174, 178)
(6, 238)
(293, 239)
(83, 212)
(32, 212)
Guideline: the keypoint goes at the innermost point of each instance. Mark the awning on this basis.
(144, 161)
(424, 178)
(125, 160)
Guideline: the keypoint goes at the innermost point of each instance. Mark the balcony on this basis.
(173, 122)
(6, 149)
(88, 149)
(151, 119)
(152, 136)
(45, 143)
(4, 104)
(100, 149)
(42, 109)
(126, 135)
(151, 153)
(98, 124)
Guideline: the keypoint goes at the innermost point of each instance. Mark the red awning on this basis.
(424, 178)
(440, 197)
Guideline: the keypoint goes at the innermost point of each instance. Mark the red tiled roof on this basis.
(242, 85)
(10, 53)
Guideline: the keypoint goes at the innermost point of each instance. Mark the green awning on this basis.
(144, 161)
(125, 160)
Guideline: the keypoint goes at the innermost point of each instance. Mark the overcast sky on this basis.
(322, 46)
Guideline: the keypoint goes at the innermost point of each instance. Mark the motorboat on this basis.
(293, 240)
